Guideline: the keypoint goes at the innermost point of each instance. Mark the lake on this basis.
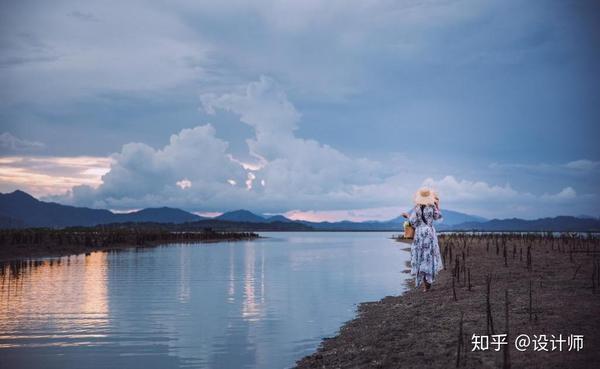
(252, 304)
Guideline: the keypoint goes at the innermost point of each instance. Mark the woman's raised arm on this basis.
(437, 213)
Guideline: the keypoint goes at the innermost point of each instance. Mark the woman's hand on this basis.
(406, 215)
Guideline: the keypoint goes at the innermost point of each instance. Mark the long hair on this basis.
(423, 214)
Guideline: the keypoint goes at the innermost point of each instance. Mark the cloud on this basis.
(583, 165)
(59, 54)
(184, 183)
(293, 168)
(262, 105)
(566, 194)
(480, 197)
(197, 171)
(87, 17)
(322, 48)
(465, 190)
(575, 166)
(193, 169)
(12, 144)
(494, 201)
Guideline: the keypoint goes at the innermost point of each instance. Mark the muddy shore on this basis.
(423, 329)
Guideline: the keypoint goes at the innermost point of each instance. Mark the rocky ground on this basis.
(552, 285)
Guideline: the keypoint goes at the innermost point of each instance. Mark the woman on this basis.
(426, 260)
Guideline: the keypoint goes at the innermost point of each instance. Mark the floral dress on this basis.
(426, 260)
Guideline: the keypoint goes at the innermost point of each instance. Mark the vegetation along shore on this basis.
(41, 242)
(544, 286)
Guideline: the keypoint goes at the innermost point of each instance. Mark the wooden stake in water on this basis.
(530, 301)
(453, 289)
(469, 276)
(489, 320)
(594, 277)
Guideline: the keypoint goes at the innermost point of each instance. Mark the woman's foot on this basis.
(426, 285)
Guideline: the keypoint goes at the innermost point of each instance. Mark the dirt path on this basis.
(421, 330)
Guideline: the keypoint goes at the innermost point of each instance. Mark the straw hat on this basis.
(425, 196)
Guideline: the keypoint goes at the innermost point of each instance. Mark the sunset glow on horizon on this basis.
(46, 175)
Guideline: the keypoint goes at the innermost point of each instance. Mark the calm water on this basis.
(257, 304)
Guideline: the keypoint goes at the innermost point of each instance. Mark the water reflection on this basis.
(259, 304)
(254, 299)
(36, 294)
(184, 279)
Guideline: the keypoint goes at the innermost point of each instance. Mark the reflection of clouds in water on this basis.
(47, 296)
(252, 306)
(184, 275)
(242, 343)
(231, 285)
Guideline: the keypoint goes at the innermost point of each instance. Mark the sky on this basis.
(321, 110)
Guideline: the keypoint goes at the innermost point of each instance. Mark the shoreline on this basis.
(92, 240)
(421, 330)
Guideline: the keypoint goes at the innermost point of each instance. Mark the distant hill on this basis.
(24, 208)
(556, 224)
(278, 218)
(159, 215)
(19, 209)
(450, 218)
(241, 216)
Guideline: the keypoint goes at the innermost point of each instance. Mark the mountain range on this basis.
(18, 209)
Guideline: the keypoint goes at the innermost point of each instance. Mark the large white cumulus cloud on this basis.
(143, 176)
(289, 172)
(293, 167)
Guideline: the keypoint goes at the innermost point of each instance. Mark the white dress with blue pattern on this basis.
(426, 260)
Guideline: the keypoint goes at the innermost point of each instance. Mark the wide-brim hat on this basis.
(425, 196)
